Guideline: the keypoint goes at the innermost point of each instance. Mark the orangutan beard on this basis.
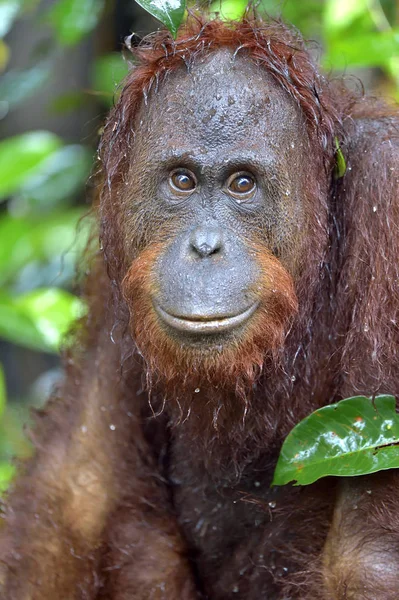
(232, 361)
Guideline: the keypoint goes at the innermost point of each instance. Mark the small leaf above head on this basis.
(169, 12)
(356, 436)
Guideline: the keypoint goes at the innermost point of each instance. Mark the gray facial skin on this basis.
(222, 127)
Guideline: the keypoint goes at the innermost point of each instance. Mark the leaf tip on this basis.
(340, 163)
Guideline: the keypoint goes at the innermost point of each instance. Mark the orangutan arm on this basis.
(361, 557)
(61, 509)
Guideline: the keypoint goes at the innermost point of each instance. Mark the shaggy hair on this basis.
(97, 513)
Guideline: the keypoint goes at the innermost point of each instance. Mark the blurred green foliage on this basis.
(73, 19)
(355, 33)
(41, 177)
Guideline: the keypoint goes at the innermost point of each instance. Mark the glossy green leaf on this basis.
(109, 70)
(353, 437)
(3, 393)
(39, 319)
(169, 12)
(73, 19)
(20, 157)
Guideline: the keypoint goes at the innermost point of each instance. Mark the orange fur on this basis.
(236, 362)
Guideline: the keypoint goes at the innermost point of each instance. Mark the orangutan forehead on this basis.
(222, 98)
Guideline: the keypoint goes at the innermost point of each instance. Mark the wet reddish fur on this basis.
(343, 340)
(238, 364)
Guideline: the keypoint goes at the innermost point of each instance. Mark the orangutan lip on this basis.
(204, 324)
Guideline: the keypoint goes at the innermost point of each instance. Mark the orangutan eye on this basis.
(182, 181)
(241, 185)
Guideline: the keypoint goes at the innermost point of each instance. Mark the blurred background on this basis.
(60, 65)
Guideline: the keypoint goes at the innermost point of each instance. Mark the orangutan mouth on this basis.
(205, 324)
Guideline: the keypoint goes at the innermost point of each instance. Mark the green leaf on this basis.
(307, 16)
(353, 437)
(109, 70)
(13, 441)
(339, 14)
(39, 319)
(17, 327)
(230, 9)
(7, 472)
(55, 237)
(53, 311)
(20, 156)
(3, 393)
(169, 12)
(58, 178)
(73, 19)
(364, 50)
(340, 163)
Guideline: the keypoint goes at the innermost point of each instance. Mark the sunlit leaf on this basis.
(39, 319)
(7, 472)
(54, 237)
(17, 327)
(73, 19)
(356, 436)
(230, 9)
(338, 14)
(53, 311)
(109, 70)
(169, 12)
(16, 86)
(20, 157)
